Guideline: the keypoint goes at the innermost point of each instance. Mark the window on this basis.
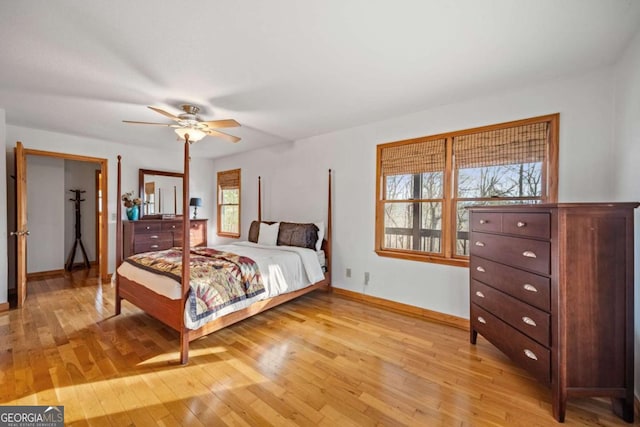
(229, 203)
(424, 185)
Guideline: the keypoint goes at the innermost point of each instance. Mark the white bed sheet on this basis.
(283, 269)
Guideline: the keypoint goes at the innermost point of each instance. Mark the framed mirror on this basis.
(161, 192)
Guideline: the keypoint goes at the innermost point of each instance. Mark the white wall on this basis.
(627, 148)
(133, 158)
(203, 185)
(294, 177)
(45, 215)
(80, 176)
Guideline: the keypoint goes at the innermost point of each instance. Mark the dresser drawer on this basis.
(530, 254)
(528, 287)
(527, 319)
(527, 224)
(172, 226)
(489, 221)
(146, 227)
(533, 357)
(153, 237)
(197, 235)
(148, 246)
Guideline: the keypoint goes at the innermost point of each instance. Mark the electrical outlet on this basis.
(348, 273)
(366, 277)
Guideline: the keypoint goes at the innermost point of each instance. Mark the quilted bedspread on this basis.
(217, 278)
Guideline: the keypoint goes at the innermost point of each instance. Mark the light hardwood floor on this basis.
(319, 360)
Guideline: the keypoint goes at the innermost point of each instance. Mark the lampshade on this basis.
(194, 134)
(195, 201)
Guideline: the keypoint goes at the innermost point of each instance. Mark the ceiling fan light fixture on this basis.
(194, 134)
(189, 124)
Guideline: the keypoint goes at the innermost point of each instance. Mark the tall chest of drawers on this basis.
(552, 287)
(158, 234)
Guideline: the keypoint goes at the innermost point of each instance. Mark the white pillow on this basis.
(268, 234)
(320, 225)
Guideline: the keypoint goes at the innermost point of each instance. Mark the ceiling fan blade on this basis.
(164, 113)
(222, 135)
(145, 123)
(216, 124)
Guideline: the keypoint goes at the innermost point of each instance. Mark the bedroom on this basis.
(596, 95)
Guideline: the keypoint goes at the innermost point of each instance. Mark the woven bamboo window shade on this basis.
(508, 146)
(413, 158)
(229, 180)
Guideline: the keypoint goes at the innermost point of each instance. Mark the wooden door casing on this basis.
(21, 223)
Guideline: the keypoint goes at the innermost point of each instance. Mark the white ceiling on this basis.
(285, 69)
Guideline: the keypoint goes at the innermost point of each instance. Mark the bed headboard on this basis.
(298, 234)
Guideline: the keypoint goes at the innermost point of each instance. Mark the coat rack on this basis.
(69, 264)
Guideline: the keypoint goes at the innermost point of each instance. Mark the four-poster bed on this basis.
(171, 311)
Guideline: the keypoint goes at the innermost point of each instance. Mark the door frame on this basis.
(98, 207)
(21, 200)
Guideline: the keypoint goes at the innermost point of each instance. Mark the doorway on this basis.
(22, 227)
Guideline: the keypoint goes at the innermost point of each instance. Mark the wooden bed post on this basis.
(259, 199)
(328, 231)
(186, 246)
(118, 235)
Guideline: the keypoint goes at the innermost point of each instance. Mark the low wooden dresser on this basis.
(552, 287)
(158, 234)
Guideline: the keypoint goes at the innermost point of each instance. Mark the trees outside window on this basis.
(424, 185)
(229, 203)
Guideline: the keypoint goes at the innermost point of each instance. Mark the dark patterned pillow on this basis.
(301, 235)
(254, 230)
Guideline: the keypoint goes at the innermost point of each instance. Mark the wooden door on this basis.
(21, 232)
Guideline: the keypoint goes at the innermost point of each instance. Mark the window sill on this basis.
(232, 235)
(411, 256)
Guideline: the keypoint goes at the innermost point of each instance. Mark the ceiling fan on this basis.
(190, 123)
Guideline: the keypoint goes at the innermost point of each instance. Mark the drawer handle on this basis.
(521, 224)
(480, 269)
(481, 244)
(484, 221)
(173, 226)
(530, 354)
(530, 288)
(480, 294)
(529, 254)
(154, 246)
(148, 227)
(481, 320)
(153, 237)
(529, 321)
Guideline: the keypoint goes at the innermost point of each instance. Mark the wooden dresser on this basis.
(552, 287)
(158, 234)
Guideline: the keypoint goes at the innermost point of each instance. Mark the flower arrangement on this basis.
(129, 201)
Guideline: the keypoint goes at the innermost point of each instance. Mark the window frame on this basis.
(221, 205)
(549, 190)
